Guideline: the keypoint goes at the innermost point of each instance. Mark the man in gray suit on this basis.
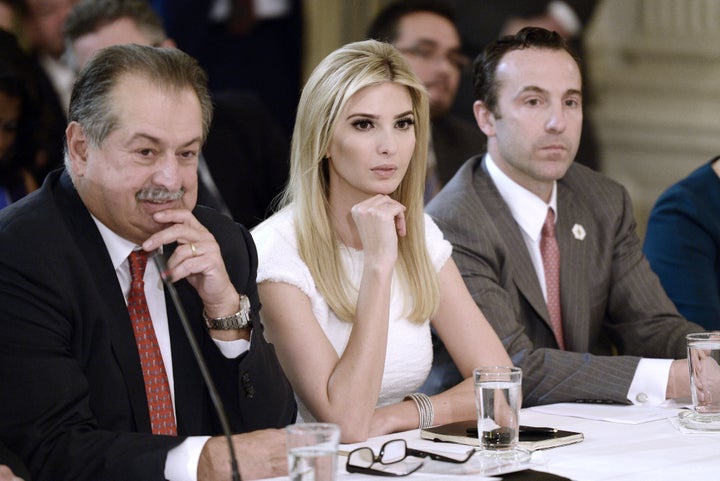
(499, 211)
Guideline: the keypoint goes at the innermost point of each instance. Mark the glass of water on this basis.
(704, 364)
(312, 451)
(498, 396)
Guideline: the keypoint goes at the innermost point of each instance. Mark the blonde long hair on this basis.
(333, 82)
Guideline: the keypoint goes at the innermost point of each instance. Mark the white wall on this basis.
(655, 72)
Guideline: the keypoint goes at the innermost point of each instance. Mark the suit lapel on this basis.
(113, 310)
(575, 235)
(523, 271)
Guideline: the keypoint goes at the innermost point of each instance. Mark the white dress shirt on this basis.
(649, 383)
(182, 461)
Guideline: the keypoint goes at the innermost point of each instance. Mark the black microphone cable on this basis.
(161, 264)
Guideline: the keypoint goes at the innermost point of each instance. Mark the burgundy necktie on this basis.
(551, 263)
(157, 387)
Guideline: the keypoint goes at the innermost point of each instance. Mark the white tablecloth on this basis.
(656, 450)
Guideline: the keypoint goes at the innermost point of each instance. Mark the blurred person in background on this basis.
(251, 45)
(425, 33)
(43, 28)
(12, 15)
(18, 122)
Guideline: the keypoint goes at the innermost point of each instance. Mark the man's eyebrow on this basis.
(144, 136)
(155, 140)
(574, 92)
(532, 89)
(426, 42)
(540, 90)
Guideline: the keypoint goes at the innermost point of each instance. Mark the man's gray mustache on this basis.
(159, 195)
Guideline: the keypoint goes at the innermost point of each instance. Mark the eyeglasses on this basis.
(429, 53)
(361, 460)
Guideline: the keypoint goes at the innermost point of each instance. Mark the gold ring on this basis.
(194, 251)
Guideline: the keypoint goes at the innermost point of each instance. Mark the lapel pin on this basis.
(578, 232)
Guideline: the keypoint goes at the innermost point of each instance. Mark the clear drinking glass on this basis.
(312, 451)
(498, 396)
(704, 363)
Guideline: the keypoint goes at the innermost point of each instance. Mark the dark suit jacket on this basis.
(609, 295)
(266, 59)
(10, 460)
(247, 155)
(682, 244)
(71, 387)
(455, 140)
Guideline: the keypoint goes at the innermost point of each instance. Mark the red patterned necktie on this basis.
(551, 263)
(157, 387)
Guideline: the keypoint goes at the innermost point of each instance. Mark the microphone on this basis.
(161, 265)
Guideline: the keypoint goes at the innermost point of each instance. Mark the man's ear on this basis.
(77, 146)
(484, 118)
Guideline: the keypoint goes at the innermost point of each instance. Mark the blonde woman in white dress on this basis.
(352, 273)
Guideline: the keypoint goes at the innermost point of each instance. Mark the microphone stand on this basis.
(161, 264)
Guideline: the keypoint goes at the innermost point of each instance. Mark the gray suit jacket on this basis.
(611, 300)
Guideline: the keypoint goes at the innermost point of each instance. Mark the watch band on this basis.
(239, 320)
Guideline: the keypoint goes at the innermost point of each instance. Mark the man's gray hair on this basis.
(163, 68)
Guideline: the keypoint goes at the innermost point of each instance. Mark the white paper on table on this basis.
(607, 412)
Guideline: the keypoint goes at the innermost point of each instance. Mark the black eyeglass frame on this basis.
(351, 468)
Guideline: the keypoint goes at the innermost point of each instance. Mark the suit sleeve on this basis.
(258, 395)
(681, 244)
(643, 320)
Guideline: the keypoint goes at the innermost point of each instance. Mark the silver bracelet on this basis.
(424, 407)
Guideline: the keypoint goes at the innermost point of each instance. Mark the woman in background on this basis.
(352, 273)
(682, 243)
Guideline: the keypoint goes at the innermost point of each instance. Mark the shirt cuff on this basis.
(649, 385)
(181, 463)
(232, 349)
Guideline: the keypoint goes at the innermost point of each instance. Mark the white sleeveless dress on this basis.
(409, 349)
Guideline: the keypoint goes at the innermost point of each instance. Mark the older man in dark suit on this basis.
(97, 378)
(548, 249)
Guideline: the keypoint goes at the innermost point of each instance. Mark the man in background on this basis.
(424, 32)
(42, 29)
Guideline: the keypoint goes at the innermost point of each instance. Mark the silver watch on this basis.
(239, 320)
